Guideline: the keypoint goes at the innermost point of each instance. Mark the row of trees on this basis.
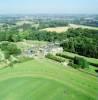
(55, 23)
(76, 62)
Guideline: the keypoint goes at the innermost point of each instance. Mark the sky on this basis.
(49, 6)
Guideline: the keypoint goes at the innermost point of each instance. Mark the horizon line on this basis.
(48, 13)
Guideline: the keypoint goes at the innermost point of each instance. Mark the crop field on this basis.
(64, 29)
(56, 29)
(44, 79)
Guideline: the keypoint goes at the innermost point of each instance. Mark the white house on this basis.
(42, 51)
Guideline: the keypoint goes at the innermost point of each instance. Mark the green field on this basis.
(44, 79)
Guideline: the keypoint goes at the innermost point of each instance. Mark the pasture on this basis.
(44, 79)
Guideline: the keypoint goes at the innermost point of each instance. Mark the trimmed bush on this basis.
(56, 58)
(64, 56)
(93, 64)
(72, 58)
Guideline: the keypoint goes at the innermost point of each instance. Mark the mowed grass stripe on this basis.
(34, 89)
(84, 86)
(40, 74)
(38, 90)
(83, 91)
(9, 86)
(24, 90)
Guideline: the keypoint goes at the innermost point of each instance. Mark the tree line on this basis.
(56, 23)
(82, 41)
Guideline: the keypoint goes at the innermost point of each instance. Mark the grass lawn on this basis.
(44, 79)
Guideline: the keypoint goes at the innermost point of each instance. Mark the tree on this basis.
(9, 49)
(81, 62)
(13, 49)
(2, 57)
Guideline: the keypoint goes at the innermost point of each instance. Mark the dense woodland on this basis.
(82, 41)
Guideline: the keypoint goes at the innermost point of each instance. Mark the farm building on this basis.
(36, 51)
(53, 49)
